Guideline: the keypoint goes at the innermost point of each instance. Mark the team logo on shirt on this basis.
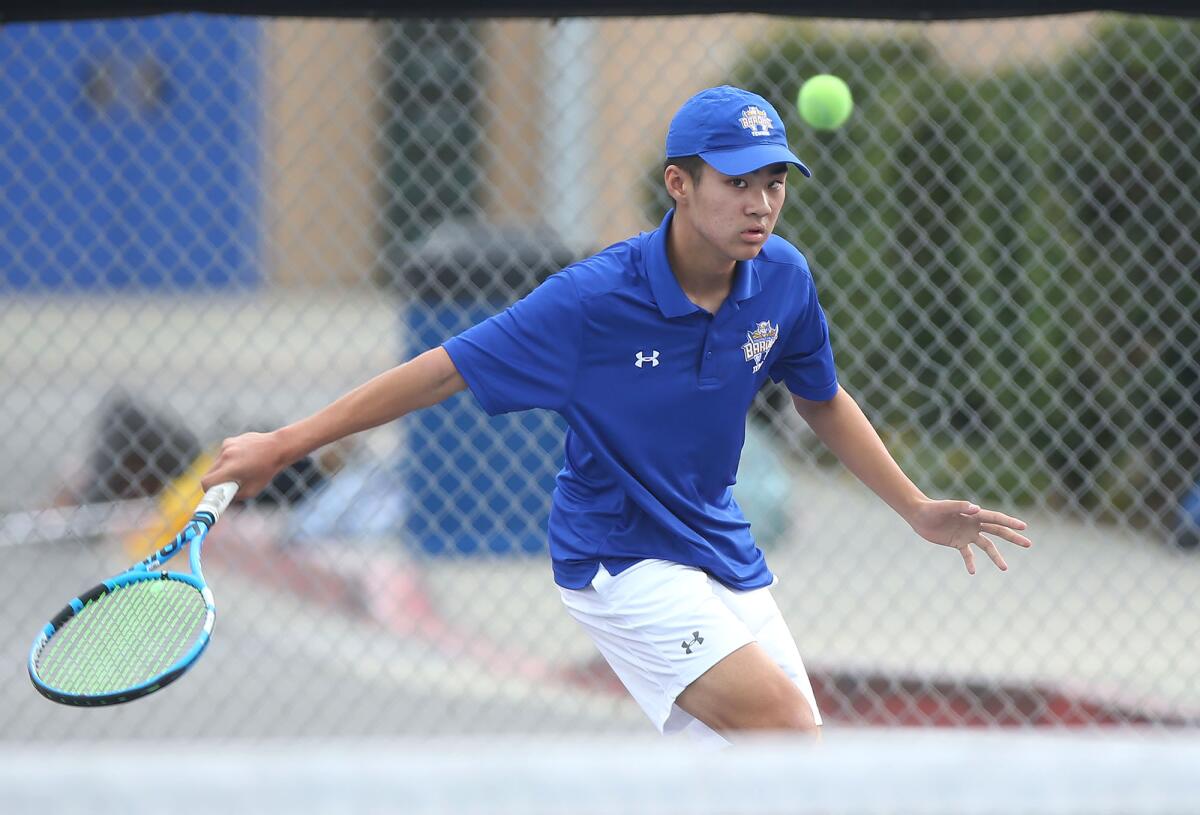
(756, 120)
(758, 343)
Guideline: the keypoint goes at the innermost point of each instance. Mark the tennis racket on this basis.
(136, 632)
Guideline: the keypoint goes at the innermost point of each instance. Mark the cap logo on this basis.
(756, 120)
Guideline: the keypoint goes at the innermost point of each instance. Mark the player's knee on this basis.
(781, 708)
(798, 718)
(792, 712)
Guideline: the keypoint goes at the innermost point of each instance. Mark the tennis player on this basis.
(652, 351)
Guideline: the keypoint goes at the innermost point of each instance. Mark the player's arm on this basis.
(843, 428)
(253, 459)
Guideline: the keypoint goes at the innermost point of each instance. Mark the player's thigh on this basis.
(761, 615)
(659, 625)
(748, 690)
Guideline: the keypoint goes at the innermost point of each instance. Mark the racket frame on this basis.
(192, 535)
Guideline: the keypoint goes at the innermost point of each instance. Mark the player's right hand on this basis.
(251, 459)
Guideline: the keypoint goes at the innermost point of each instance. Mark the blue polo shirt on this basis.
(654, 391)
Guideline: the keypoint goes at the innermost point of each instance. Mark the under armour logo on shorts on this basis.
(695, 640)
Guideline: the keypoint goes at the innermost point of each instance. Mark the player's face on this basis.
(737, 213)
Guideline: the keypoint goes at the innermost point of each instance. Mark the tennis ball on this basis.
(824, 102)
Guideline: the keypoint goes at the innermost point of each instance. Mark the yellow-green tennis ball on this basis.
(825, 102)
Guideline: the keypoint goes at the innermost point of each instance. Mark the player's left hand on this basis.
(962, 525)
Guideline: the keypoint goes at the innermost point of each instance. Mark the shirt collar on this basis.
(672, 302)
(746, 282)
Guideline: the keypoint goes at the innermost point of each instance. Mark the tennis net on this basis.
(853, 771)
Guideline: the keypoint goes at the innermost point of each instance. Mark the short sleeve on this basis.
(806, 364)
(525, 356)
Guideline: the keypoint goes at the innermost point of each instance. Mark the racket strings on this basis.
(131, 649)
(126, 618)
(124, 638)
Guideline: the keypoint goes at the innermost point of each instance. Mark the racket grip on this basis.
(218, 498)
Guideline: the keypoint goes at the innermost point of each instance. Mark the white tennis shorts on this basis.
(661, 625)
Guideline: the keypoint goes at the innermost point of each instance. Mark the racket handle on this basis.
(218, 498)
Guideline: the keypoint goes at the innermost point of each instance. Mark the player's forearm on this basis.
(841, 425)
(421, 382)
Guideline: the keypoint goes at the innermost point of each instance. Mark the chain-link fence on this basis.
(214, 224)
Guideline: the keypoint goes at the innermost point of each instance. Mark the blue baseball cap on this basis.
(735, 131)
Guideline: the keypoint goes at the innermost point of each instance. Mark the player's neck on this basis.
(704, 274)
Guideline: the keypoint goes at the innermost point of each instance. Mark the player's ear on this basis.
(677, 181)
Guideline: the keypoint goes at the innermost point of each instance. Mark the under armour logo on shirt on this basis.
(642, 359)
(695, 640)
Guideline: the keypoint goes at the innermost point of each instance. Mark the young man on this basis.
(652, 351)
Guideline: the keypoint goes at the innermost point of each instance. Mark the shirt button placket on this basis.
(707, 365)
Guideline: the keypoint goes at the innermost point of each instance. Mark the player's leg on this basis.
(763, 686)
(662, 627)
(748, 691)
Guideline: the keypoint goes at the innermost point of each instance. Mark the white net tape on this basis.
(858, 773)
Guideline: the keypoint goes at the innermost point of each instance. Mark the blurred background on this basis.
(213, 224)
